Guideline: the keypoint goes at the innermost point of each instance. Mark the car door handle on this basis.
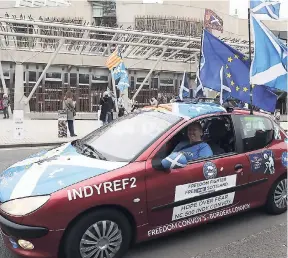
(239, 168)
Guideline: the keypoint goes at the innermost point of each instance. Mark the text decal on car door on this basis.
(102, 188)
(191, 190)
(202, 206)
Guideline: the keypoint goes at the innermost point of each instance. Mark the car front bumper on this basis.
(45, 242)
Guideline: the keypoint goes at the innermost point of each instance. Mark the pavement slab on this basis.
(45, 132)
(42, 132)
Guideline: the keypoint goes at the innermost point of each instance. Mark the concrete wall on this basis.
(79, 8)
(127, 10)
(233, 26)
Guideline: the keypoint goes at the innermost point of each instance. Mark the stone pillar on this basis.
(19, 97)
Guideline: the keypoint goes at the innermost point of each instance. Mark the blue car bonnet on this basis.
(50, 171)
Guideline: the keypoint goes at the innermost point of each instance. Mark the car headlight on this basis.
(21, 207)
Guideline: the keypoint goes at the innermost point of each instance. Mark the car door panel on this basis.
(265, 163)
(186, 192)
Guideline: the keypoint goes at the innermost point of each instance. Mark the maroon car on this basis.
(123, 183)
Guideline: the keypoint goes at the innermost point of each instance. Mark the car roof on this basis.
(242, 111)
(190, 110)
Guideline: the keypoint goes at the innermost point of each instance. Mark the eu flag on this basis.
(219, 57)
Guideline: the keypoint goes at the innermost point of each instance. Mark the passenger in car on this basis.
(194, 148)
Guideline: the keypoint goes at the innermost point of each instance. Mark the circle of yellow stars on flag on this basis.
(229, 76)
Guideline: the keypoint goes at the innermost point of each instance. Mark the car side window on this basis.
(256, 132)
(218, 138)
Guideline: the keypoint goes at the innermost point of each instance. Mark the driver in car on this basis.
(195, 148)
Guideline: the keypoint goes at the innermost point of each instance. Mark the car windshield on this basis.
(127, 137)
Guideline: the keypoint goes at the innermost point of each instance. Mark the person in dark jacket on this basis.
(69, 106)
(5, 103)
(107, 107)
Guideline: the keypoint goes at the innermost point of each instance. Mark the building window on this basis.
(65, 77)
(32, 76)
(167, 82)
(140, 80)
(53, 77)
(99, 78)
(154, 83)
(73, 79)
(84, 79)
(132, 82)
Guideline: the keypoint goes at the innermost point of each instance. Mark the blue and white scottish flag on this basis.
(269, 66)
(48, 172)
(200, 88)
(118, 71)
(124, 82)
(184, 91)
(271, 8)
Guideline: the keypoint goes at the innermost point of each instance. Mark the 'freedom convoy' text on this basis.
(195, 220)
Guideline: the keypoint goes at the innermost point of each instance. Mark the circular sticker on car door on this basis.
(285, 159)
(210, 170)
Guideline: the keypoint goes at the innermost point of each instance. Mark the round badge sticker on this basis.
(210, 170)
(285, 159)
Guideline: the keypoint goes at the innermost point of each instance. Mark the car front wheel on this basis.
(277, 199)
(100, 234)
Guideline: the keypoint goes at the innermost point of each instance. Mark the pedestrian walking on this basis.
(153, 102)
(135, 106)
(5, 103)
(107, 107)
(69, 106)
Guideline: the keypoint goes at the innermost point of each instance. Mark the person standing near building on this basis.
(69, 106)
(107, 107)
(5, 103)
(153, 102)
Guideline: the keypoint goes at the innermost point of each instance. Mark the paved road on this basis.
(250, 235)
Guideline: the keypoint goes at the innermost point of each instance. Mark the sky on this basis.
(242, 6)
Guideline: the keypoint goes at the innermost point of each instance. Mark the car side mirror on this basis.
(174, 161)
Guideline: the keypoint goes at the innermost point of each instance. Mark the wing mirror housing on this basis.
(175, 160)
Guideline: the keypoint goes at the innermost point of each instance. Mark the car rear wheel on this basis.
(277, 199)
(101, 234)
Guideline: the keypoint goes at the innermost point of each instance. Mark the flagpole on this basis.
(250, 58)
(199, 63)
(115, 93)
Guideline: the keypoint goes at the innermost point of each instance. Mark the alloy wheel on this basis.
(280, 194)
(102, 240)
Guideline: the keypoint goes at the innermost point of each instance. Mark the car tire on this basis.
(277, 198)
(99, 220)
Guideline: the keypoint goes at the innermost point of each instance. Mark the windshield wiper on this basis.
(99, 154)
(92, 153)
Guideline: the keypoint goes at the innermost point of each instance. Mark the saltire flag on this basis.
(212, 21)
(236, 66)
(269, 66)
(114, 60)
(184, 91)
(200, 88)
(225, 91)
(270, 8)
(124, 82)
(119, 71)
